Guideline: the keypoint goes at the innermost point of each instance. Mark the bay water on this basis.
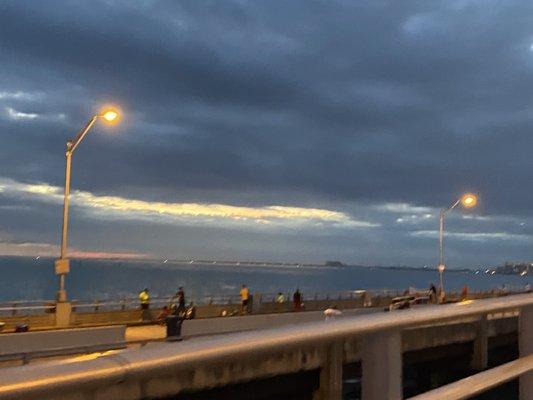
(25, 278)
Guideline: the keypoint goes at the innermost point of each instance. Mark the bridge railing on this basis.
(164, 370)
(31, 307)
(18, 307)
(479, 383)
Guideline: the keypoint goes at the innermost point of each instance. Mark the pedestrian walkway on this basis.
(213, 326)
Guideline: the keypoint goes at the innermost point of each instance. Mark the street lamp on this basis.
(62, 265)
(468, 200)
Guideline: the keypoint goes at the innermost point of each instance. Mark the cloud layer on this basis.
(310, 129)
(216, 214)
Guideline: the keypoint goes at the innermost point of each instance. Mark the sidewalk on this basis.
(221, 325)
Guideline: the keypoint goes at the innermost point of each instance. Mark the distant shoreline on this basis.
(246, 263)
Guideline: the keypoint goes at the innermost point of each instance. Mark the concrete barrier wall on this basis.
(128, 317)
(273, 307)
(107, 317)
(54, 340)
(133, 316)
(35, 321)
(166, 369)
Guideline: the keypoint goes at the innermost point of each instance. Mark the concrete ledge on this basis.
(480, 383)
(167, 369)
(64, 341)
(211, 326)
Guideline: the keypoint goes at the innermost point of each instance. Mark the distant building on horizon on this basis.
(515, 268)
(334, 264)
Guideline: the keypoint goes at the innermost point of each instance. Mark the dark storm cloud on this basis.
(313, 103)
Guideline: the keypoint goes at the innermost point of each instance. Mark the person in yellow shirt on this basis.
(245, 295)
(144, 298)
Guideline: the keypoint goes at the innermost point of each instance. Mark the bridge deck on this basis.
(167, 369)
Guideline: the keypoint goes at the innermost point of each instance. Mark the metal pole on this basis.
(64, 236)
(441, 237)
(62, 294)
(441, 266)
(62, 265)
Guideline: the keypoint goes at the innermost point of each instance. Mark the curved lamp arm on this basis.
(72, 144)
(445, 210)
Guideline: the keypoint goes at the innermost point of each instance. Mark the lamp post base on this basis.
(63, 313)
(442, 297)
(62, 267)
(61, 296)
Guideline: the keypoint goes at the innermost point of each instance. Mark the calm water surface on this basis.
(27, 278)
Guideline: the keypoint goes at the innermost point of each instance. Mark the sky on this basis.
(306, 131)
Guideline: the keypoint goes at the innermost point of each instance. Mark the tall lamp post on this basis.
(62, 265)
(468, 200)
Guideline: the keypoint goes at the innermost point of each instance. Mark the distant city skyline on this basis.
(329, 131)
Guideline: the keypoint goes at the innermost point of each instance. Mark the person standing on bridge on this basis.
(297, 300)
(245, 296)
(144, 298)
(180, 295)
(432, 293)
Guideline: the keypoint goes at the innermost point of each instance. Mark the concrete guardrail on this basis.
(168, 369)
